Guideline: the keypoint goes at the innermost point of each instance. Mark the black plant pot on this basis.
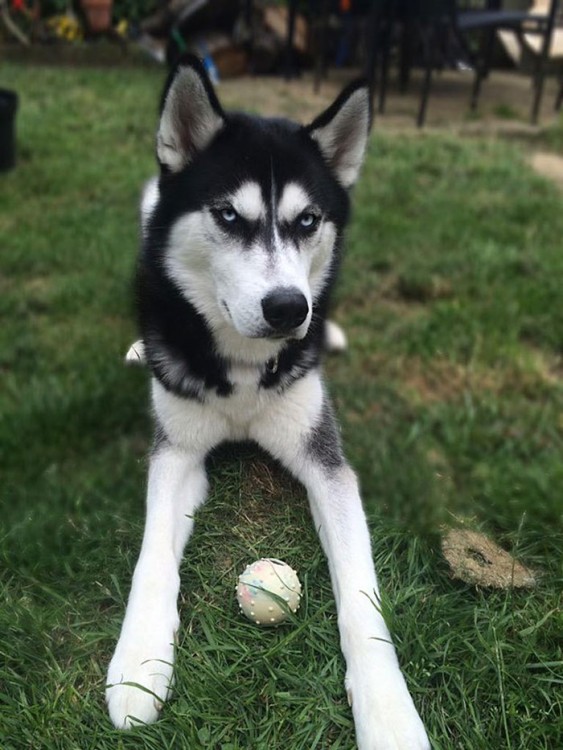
(8, 109)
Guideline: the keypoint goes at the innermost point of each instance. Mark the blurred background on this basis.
(450, 394)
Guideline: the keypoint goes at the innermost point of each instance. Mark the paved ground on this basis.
(504, 106)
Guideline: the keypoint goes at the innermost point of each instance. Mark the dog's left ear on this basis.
(190, 115)
(341, 132)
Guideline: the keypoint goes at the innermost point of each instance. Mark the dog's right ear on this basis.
(190, 115)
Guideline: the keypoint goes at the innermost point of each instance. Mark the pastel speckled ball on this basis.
(267, 591)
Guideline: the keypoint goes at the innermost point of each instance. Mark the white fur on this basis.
(384, 714)
(211, 270)
(335, 338)
(190, 265)
(335, 341)
(226, 282)
(136, 354)
(294, 200)
(188, 121)
(248, 202)
(343, 140)
(149, 200)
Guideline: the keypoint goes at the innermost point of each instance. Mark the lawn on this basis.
(451, 402)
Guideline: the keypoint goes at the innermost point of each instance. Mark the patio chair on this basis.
(467, 20)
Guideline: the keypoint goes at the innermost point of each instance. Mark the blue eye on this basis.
(307, 220)
(228, 214)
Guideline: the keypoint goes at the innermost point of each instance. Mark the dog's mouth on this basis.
(265, 332)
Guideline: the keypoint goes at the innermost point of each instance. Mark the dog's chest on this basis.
(205, 422)
(247, 397)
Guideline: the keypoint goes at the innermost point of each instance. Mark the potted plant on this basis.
(97, 14)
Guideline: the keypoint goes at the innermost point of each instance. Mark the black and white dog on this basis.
(242, 238)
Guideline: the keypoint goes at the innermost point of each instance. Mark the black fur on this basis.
(174, 333)
(324, 442)
(270, 152)
(160, 439)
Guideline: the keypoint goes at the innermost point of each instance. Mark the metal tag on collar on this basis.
(272, 365)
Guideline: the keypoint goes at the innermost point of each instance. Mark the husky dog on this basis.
(242, 238)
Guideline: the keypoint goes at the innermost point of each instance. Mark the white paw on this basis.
(384, 714)
(140, 675)
(335, 338)
(136, 354)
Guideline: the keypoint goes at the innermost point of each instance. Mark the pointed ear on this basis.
(341, 132)
(190, 115)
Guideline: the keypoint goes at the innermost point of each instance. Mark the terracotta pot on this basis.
(98, 14)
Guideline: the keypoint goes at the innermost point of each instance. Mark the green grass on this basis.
(451, 401)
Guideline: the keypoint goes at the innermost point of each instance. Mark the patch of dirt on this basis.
(547, 366)
(275, 96)
(38, 285)
(476, 559)
(412, 288)
(442, 380)
(503, 111)
(264, 484)
(549, 166)
(390, 294)
(434, 381)
(263, 477)
(366, 306)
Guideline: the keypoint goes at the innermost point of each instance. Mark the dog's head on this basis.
(253, 207)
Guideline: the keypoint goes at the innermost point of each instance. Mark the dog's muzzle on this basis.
(285, 309)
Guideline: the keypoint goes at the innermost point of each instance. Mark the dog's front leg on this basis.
(384, 713)
(140, 673)
(301, 433)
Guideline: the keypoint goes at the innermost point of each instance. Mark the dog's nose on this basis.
(285, 308)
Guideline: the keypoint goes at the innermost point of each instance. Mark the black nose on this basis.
(285, 308)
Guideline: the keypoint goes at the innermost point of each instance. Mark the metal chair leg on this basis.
(372, 50)
(483, 67)
(427, 37)
(539, 77)
(320, 43)
(476, 90)
(385, 57)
